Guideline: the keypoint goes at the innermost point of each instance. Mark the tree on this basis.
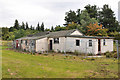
(27, 27)
(47, 29)
(31, 28)
(78, 14)
(42, 27)
(96, 30)
(5, 33)
(38, 27)
(70, 17)
(52, 29)
(107, 18)
(92, 11)
(23, 26)
(11, 29)
(11, 36)
(16, 24)
(72, 26)
(59, 28)
(86, 20)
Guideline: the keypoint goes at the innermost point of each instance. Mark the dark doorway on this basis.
(99, 45)
(16, 43)
(50, 44)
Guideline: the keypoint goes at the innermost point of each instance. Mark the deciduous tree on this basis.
(96, 30)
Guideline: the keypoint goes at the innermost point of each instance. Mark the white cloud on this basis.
(51, 12)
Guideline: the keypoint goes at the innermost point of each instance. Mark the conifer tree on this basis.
(27, 27)
(16, 24)
(42, 27)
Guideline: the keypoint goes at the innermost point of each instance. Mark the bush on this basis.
(46, 54)
(58, 51)
(76, 52)
(112, 54)
(91, 59)
(63, 52)
(51, 51)
(33, 53)
(90, 54)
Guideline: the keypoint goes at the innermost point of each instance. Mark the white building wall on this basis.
(23, 44)
(68, 44)
(108, 46)
(119, 12)
(41, 45)
(76, 33)
(58, 47)
(84, 45)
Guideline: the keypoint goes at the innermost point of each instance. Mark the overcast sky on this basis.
(51, 12)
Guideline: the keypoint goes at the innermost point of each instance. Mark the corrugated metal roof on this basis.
(64, 33)
(39, 34)
(95, 37)
(34, 37)
(60, 33)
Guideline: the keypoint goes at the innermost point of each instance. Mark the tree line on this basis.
(25, 26)
(92, 21)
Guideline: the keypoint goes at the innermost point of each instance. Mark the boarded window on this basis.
(104, 43)
(56, 40)
(90, 43)
(77, 42)
(32, 44)
(21, 41)
(25, 42)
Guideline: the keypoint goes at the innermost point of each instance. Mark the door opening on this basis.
(99, 45)
(50, 44)
(16, 43)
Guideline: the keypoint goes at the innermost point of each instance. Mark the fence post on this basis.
(86, 50)
(117, 49)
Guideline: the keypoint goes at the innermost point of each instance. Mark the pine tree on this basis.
(31, 28)
(70, 17)
(16, 24)
(92, 11)
(23, 26)
(52, 29)
(42, 27)
(107, 18)
(38, 27)
(78, 14)
(27, 27)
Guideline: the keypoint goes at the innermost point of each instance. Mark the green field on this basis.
(21, 65)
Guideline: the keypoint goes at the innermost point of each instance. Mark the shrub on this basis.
(90, 54)
(63, 52)
(112, 54)
(76, 52)
(108, 55)
(33, 53)
(46, 54)
(51, 51)
(91, 59)
(58, 51)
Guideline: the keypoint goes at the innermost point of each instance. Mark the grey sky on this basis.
(51, 12)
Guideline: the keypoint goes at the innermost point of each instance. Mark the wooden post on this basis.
(117, 46)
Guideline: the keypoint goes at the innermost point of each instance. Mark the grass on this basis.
(19, 65)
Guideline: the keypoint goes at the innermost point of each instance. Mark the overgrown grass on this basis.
(19, 65)
(6, 43)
